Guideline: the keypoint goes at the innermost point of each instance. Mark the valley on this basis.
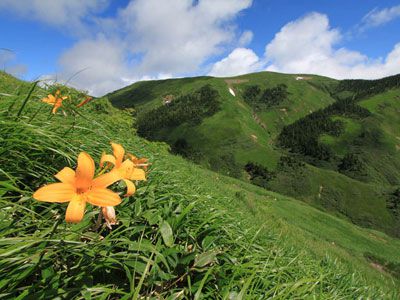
(332, 144)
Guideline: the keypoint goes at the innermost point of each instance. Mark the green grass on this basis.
(385, 170)
(237, 135)
(242, 136)
(297, 224)
(227, 239)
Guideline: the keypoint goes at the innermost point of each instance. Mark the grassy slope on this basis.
(234, 131)
(385, 108)
(304, 227)
(242, 136)
(359, 204)
(381, 159)
(292, 255)
(384, 119)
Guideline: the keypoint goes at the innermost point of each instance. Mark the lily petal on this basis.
(75, 210)
(56, 106)
(106, 180)
(107, 158)
(50, 99)
(55, 192)
(66, 175)
(102, 197)
(126, 169)
(138, 174)
(130, 188)
(84, 171)
(119, 153)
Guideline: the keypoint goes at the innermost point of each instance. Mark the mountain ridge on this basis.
(249, 130)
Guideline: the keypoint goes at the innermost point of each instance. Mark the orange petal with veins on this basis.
(119, 153)
(106, 180)
(102, 197)
(66, 175)
(55, 192)
(84, 171)
(75, 210)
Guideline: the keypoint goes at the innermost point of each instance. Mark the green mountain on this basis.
(188, 232)
(333, 144)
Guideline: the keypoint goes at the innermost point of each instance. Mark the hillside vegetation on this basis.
(187, 232)
(333, 144)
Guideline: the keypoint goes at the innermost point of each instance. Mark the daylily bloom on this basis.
(55, 100)
(78, 187)
(125, 168)
(87, 99)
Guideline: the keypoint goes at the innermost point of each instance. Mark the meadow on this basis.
(186, 233)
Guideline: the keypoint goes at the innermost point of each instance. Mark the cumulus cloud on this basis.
(97, 65)
(177, 36)
(378, 17)
(8, 64)
(152, 39)
(66, 13)
(239, 61)
(309, 45)
(245, 38)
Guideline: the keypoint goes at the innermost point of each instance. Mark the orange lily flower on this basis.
(55, 100)
(78, 187)
(87, 99)
(125, 168)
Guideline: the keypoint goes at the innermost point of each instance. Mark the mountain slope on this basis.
(234, 131)
(333, 144)
(252, 243)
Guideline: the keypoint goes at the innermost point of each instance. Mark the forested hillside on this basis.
(323, 141)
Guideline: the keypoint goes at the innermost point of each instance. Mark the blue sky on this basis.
(115, 43)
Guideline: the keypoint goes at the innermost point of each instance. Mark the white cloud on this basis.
(7, 63)
(6, 56)
(152, 39)
(245, 38)
(100, 66)
(177, 36)
(97, 65)
(378, 17)
(239, 61)
(309, 45)
(146, 39)
(66, 13)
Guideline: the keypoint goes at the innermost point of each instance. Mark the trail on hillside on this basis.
(258, 120)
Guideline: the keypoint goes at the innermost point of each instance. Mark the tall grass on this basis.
(175, 240)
